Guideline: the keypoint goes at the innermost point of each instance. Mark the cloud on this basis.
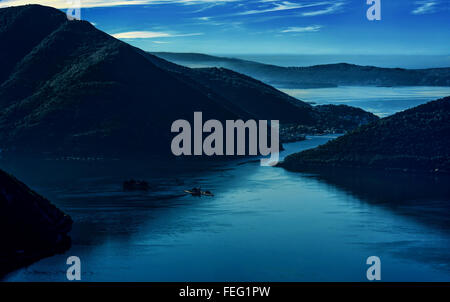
(311, 28)
(332, 8)
(107, 3)
(64, 3)
(150, 35)
(425, 7)
(279, 6)
(204, 18)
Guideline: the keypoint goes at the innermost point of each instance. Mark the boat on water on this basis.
(198, 192)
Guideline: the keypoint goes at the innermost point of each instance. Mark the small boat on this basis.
(193, 193)
(198, 192)
(135, 185)
(207, 193)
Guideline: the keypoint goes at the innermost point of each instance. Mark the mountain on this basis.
(70, 89)
(76, 88)
(415, 139)
(266, 102)
(329, 75)
(31, 227)
(236, 90)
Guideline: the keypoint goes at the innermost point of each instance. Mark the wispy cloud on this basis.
(150, 35)
(279, 6)
(260, 6)
(425, 7)
(332, 8)
(285, 5)
(305, 29)
(64, 3)
(204, 18)
(108, 3)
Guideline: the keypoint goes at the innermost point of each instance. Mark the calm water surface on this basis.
(264, 224)
(382, 101)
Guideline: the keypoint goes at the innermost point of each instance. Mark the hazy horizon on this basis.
(303, 60)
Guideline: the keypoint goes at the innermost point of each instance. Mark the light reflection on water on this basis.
(264, 224)
(382, 101)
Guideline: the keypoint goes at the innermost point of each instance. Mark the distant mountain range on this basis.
(330, 75)
(417, 139)
(67, 88)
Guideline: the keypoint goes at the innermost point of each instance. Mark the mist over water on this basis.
(387, 61)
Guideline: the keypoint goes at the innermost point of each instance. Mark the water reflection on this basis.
(382, 101)
(424, 197)
(264, 224)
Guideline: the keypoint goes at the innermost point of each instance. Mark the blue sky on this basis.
(412, 27)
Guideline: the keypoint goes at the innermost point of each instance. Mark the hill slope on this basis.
(415, 139)
(329, 75)
(70, 89)
(266, 102)
(31, 227)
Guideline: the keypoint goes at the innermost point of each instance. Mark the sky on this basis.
(411, 27)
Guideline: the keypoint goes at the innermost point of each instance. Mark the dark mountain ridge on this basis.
(417, 139)
(70, 89)
(329, 75)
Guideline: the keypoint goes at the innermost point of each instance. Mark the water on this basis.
(382, 101)
(264, 224)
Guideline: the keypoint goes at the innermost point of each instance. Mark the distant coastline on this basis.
(385, 61)
(340, 72)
